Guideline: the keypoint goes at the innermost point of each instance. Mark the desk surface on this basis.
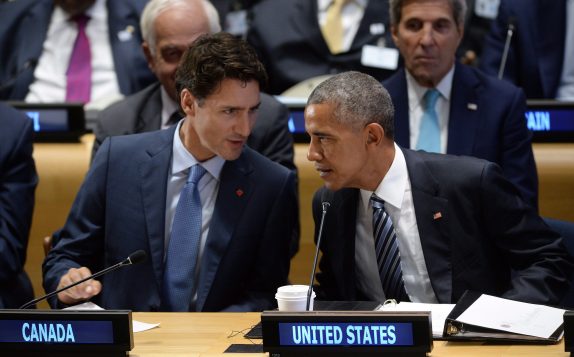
(209, 334)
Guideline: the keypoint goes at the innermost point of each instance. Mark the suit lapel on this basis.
(464, 112)
(235, 190)
(397, 87)
(149, 117)
(550, 36)
(306, 23)
(432, 216)
(153, 181)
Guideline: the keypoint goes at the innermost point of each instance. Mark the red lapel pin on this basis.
(437, 215)
(239, 192)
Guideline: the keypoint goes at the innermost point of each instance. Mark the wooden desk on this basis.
(208, 334)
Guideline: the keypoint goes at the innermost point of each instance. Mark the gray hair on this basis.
(458, 11)
(359, 100)
(155, 7)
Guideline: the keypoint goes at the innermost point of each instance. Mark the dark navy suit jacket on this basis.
(23, 28)
(288, 38)
(493, 129)
(18, 182)
(487, 239)
(537, 48)
(120, 208)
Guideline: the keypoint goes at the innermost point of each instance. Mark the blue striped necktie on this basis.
(429, 133)
(387, 251)
(179, 274)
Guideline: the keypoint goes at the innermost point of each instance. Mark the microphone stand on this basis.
(310, 291)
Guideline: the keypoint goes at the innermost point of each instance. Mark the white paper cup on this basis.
(294, 298)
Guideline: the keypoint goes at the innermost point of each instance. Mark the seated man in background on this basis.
(300, 39)
(71, 50)
(168, 27)
(18, 182)
(541, 53)
(220, 245)
(411, 225)
(447, 107)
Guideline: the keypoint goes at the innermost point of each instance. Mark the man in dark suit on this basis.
(451, 223)
(26, 27)
(18, 182)
(476, 114)
(536, 57)
(167, 32)
(290, 42)
(131, 197)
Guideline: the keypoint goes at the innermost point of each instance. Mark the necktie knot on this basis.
(195, 174)
(81, 20)
(430, 98)
(174, 118)
(377, 202)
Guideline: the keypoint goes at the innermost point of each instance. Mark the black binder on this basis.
(455, 330)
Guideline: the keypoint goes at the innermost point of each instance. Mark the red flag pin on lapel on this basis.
(239, 192)
(437, 215)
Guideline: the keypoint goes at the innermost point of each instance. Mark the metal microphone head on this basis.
(137, 257)
(325, 205)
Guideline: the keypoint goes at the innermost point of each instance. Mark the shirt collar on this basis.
(183, 159)
(392, 187)
(323, 5)
(417, 92)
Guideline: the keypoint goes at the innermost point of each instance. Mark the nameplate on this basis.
(569, 331)
(65, 333)
(352, 333)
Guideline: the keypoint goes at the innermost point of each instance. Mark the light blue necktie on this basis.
(429, 133)
(183, 249)
(387, 251)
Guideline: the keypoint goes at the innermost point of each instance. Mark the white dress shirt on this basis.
(416, 93)
(208, 187)
(351, 15)
(566, 88)
(49, 83)
(395, 190)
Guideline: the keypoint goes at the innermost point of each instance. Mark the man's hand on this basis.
(81, 292)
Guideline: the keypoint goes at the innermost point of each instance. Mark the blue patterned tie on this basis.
(429, 133)
(183, 249)
(387, 251)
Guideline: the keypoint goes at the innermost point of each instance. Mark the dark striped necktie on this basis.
(387, 251)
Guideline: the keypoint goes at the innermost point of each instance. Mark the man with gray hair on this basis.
(411, 225)
(447, 107)
(168, 27)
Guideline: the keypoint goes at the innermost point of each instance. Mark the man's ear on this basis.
(187, 102)
(148, 56)
(375, 134)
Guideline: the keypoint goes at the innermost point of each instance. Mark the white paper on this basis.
(380, 57)
(137, 326)
(513, 316)
(439, 312)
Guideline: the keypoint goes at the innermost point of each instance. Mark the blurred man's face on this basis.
(220, 124)
(338, 151)
(74, 7)
(176, 29)
(427, 37)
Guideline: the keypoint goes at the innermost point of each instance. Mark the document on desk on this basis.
(439, 312)
(137, 326)
(513, 316)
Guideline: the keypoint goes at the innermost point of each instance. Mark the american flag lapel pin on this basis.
(437, 215)
(239, 192)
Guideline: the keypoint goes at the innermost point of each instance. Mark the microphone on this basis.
(31, 63)
(509, 33)
(325, 205)
(136, 257)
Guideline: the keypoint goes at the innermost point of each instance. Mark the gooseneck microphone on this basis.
(509, 33)
(136, 257)
(310, 291)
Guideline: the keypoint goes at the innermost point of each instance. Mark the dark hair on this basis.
(211, 58)
(359, 100)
